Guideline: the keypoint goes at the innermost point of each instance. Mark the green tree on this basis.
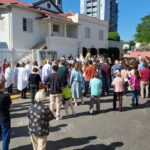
(143, 30)
(131, 43)
(114, 36)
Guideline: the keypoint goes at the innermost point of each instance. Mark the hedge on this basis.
(114, 51)
(93, 51)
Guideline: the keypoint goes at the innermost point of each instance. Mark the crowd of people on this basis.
(66, 82)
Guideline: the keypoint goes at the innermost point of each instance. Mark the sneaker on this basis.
(58, 118)
(91, 112)
(82, 102)
(137, 104)
(63, 106)
(132, 104)
(98, 111)
(76, 104)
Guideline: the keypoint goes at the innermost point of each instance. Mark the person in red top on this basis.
(3, 68)
(89, 74)
(145, 79)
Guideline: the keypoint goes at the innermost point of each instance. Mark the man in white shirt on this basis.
(22, 80)
(46, 71)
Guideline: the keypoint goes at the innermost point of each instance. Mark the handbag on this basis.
(131, 87)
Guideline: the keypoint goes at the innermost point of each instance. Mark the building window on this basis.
(48, 5)
(101, 35)
(27, 25)
(56, 28)
(2, 24)
(87, 32)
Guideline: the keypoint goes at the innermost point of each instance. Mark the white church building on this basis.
(27, 26)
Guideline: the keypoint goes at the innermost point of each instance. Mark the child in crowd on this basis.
(118, 84)
(96, 87)
(66, 93)
(134, 82)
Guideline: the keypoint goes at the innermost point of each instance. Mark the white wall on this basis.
(26, 40)
(95, 26)
(62, 45)
(67, 46)
(5, 27)
(72, 31)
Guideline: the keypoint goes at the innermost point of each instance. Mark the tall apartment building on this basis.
(106, 10)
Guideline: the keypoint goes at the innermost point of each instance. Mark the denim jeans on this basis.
(105, 86)
(5, 134)
(135, 94)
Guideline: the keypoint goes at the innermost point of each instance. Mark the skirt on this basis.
(76, 90)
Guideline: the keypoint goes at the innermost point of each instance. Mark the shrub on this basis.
(84, 52)
(103, 51)
(113, 36)
(93, 51)
(114, 51)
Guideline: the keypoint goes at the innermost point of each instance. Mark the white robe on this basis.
(22, 79)
(46, 71)
(15, 83)
(28, 69)
(9, 76)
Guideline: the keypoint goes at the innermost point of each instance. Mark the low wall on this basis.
(142, 54)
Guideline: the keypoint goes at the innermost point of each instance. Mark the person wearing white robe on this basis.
(9, 78)
(46, 71)
(22, 81)
(28, 68)
(16, 69)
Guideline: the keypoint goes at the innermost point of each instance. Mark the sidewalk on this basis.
(17, 95)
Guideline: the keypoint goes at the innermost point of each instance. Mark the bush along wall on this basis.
(103, 51)
(84, 52)
(93, 51)
(114, 51)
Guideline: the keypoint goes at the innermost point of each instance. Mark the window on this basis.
(56, 28)
(87, 32)
(2, 24)
(27, 25)
(48, 5)
(101, 34)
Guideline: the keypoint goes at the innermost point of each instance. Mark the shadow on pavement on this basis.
(106, 100)
(112, 146)
(57, 128)
(18, 115)
(18, 109)
(141, 106)
(19, 132)
(63, 143)
(23, 130)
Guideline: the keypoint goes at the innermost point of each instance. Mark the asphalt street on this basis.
(108, 130)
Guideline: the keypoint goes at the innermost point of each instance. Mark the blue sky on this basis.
(130, 13)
